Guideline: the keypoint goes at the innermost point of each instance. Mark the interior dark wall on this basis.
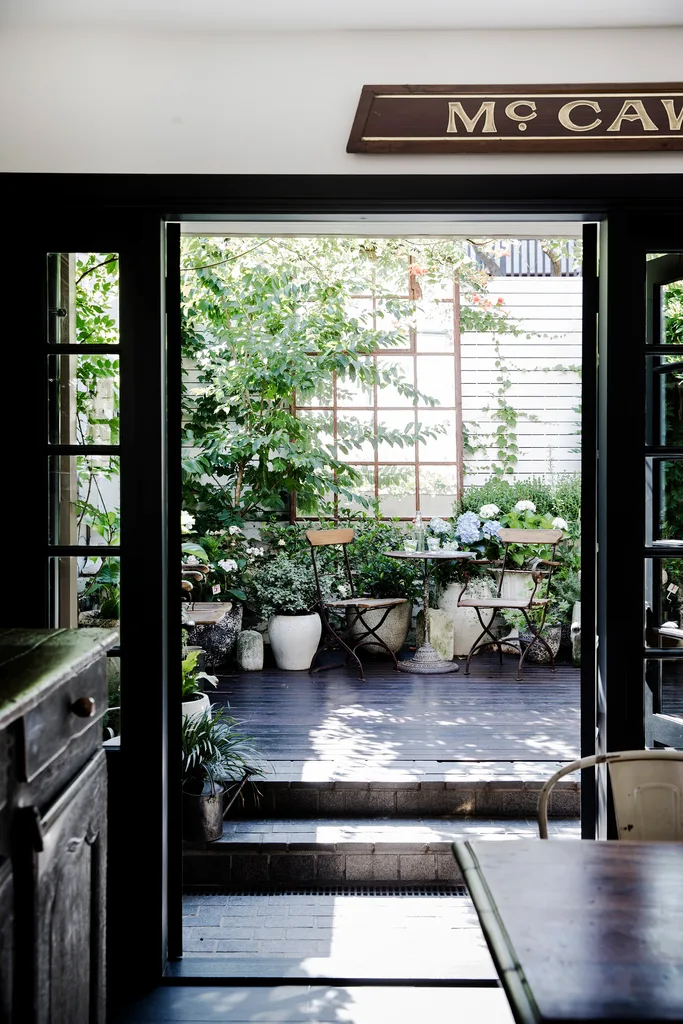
(71, 211)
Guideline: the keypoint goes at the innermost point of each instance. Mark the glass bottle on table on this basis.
(419, 531)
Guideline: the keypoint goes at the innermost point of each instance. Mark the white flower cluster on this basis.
(281, 543)
(488, 511)
(256, 552)
(560, 524)
(343, 590)
(191, 560)
(186, 522)
(234, 530)
(525, 506)
(228, 564)
(439, 527)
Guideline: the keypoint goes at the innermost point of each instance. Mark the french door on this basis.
(640, 487)
(664, 499)
(86, 478)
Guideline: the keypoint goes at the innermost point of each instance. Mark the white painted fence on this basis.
(549, 311)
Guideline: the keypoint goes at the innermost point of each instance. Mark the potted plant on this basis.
(215, 770)
(285, 594)
(194, 701)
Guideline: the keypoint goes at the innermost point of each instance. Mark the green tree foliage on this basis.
(271, 321)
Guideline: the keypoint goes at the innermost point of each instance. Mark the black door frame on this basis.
(132, 211)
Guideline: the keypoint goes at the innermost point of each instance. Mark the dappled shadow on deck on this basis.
(333, 725)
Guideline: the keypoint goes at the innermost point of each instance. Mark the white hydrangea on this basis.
(255, 551)
(525, 506)
(489, 511)
(281, 543)
(343, 590)
(191, 560)
(186, 522)
(560, 524)
(439, 526)
(228, 564)
(234, 530)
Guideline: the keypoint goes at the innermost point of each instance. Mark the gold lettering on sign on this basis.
(675, 119)
(511, 111)
(486, 110)
(639, 113)
(566, 121)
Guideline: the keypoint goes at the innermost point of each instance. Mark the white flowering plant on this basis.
(228, 555)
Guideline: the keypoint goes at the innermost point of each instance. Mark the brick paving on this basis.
(308, 935)
(435, 936)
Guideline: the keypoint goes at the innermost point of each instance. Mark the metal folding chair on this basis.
(540, 577)
(367, 635)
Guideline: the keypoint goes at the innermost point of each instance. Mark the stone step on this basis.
(332, 851)
(408, 789)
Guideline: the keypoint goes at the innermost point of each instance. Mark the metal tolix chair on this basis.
(536, 599)
(365, 635)
(647, 790)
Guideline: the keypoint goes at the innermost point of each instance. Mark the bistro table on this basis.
(426, 661)
(581, 931)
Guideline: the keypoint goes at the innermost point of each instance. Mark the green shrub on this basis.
(559, 498)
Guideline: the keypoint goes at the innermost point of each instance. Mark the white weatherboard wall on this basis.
(548, 309)
(88, 100)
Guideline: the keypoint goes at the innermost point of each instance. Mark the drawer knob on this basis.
(84, 707)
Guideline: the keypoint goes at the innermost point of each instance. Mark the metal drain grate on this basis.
(335, 890)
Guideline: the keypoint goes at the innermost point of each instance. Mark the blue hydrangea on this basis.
(491, 528)
(467, 528)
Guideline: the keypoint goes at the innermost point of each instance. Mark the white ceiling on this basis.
(343, 15)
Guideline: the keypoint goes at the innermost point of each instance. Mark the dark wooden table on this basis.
(582, 931)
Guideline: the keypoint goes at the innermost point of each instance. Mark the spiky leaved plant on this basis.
(214, 748)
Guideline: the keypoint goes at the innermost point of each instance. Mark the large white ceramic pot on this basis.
(294, 640)
(466, 625)
(197, 706)
(393, 630)
(518, 584)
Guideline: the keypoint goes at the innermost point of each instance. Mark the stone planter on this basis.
(294, 640)
(466, 625)
(538, 653)
(196, 706)
(218, 639)
(393, 630)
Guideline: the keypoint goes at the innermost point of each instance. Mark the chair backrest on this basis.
(542, 538)
(647, 788)
(648, 796)
(330, 538)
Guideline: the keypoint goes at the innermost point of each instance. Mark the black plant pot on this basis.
(203, 813)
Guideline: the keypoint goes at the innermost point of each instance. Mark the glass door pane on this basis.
(663, 670)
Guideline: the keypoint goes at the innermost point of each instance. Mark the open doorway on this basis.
(341, 381)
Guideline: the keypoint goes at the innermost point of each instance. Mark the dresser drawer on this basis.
(62, 718)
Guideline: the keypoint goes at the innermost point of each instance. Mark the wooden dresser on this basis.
(53, 818)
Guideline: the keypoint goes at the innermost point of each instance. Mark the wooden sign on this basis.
(517, 118)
